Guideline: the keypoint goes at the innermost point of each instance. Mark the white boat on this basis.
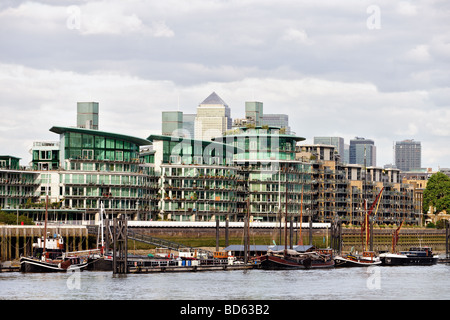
(367, 259)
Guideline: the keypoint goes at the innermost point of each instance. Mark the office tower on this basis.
(346, 158)
(338, 142)
(172, 123)
(87, 115)
(363, 151)
(276, 120)
(213, 118)
(254, 111)
(189, 125)
(408, 154)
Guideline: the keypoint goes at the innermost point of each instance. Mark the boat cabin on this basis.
(418, 252)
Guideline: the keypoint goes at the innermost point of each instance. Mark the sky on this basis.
(376, 69)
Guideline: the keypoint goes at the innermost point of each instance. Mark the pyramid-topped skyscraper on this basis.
(213, 118)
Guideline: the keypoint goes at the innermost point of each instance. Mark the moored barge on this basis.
(416, 256)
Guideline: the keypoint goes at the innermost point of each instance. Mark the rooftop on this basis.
(135, 140)
(213, 98)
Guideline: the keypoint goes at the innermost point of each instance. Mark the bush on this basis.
(11, 218)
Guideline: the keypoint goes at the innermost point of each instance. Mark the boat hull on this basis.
(403, 260)
(349, 263)
(38, 266)
(100, 264)
(34, 265)
(271, 262)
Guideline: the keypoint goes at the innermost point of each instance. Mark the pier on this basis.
(191, 268)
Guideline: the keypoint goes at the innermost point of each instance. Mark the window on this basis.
(175, 159)
(75, 140)
(99, 142)
(44, 190)
(110, 143)
(88, 154)
(45, 155)
(88, 141)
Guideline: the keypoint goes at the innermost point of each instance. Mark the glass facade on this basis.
(276, 182)
(17, 186)
(101, 167)
(197, 180)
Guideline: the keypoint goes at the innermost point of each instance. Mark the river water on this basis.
(387, 283)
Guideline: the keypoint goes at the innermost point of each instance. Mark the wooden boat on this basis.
(52, 259)
(367, 259)
(49, 254)
(292, 259)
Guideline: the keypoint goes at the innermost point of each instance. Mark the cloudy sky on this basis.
(377, 69)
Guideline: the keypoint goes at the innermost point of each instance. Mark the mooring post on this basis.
(120, 239)
(310, 230)
(217, 232)
(291, 233)
(447, 223)
(227, 232)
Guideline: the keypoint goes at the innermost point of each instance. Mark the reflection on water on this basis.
(427, 282)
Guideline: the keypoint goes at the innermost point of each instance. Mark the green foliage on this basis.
(11, 218)
(437, 193)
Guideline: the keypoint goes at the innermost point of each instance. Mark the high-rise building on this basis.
(276, 120)
(87, 115)
(213, 118)
(254, 112)
(363, 151)
(408, 154)
(172, 123)
(338, 142)
(189, 125)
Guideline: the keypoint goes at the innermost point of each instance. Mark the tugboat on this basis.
(416, 256)
(367, 259)
(49, 254)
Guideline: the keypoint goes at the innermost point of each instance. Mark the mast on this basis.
(286, 213)
(300, 238)
(366, 224)
(365, 197)
(44, 251)
(395, 235)
(101, 226)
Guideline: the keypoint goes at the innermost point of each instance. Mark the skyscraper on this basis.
(254, 111)
(213, 118)
(87, 115)
(408, 155)
(276, 120)
(172, 123)
(189, 125)
(363, 150)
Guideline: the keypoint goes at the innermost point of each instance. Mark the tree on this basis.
(437, 193)
(12, 219)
